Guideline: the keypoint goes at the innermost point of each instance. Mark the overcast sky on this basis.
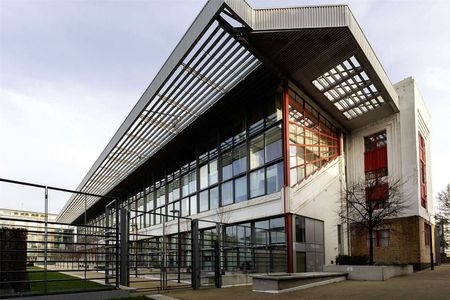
(70, 72)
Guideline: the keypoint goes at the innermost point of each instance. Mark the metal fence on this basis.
(40, 256)
(43, 257)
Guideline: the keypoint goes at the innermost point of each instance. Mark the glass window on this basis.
(193, 202)
(257, 183)
(314, 141)
(274, 178)
(213, 172)
(227, 165)
(300, 229)
(274, 146)
(150, 202)
(161, 200)
(158, 216)
(257, 152)
(185, 185)
(203, 176)
(240, 189)
(192, 182)
(277, 234)
(203, 197)
(262, 232)
(239, 160)
(214, 198)
(227, 193)
(176, 189)
(185, 207)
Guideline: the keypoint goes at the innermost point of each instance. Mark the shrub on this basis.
(352, 260)
(13, 259)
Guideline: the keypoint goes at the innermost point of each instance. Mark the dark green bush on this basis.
(13, 259)
(352, 260)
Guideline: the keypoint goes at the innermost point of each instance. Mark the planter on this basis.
(370, 272)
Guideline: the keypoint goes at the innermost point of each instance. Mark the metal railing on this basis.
(39, 256)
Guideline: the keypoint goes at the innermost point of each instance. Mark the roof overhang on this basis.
(226, 42)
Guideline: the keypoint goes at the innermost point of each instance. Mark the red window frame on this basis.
(376, 169)
(423, 171)
(323, 136)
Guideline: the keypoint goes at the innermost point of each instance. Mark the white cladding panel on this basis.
(402, 147)
(319, 197)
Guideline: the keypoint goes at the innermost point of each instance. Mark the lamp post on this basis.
(177, 211)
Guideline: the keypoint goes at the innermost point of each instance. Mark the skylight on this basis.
(349, 88)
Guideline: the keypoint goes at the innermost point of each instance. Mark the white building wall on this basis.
(319, 197)
(414, 118)
(402, 147)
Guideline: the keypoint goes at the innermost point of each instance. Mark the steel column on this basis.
(124, 240)
(195, 255)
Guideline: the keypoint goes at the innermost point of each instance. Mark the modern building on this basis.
(260, 119)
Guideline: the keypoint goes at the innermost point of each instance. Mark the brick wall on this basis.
(406, 242)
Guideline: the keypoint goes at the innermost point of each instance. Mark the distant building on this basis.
(265, 116)
(34, 222)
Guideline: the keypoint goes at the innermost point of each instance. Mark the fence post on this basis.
(195, 255)
(117, 243)
(46, 242)
(124, 239)
(217, 271)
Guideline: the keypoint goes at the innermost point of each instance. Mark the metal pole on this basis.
(85, 241)
(431, 249)
(179, 248)
(163, 269)
(195, 256)
(45, 241)
(117, 243)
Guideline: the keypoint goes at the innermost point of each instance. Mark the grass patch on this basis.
(68, 283)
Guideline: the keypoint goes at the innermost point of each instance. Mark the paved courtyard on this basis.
(420, 285)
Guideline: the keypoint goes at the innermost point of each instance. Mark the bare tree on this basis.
(443, 218)
(222, 216)
(444, 203)
(369, 204)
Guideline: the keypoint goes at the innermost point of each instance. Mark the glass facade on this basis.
(241, 161)
(257, 246)
(313, 140)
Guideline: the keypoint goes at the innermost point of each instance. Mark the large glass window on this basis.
(227, 165)
(262, 232)
(193, 202)
(203, 176)
(257, 183)
(227, 193)
(274, 178)
(257, 151)
(300, 229)
(193, 182)
(273, 143)
(214, 198)
(203, 197)
(266, 147)
(313, 140)
(277, 233)
(185, 207)
(239, 160)
(240, 189)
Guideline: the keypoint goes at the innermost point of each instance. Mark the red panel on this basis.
(375, 159)
(379, 193)
(286, 138)
(289, 242)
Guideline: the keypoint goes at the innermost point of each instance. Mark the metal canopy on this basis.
(226, 42)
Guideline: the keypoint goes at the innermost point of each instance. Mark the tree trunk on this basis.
(370, 246)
